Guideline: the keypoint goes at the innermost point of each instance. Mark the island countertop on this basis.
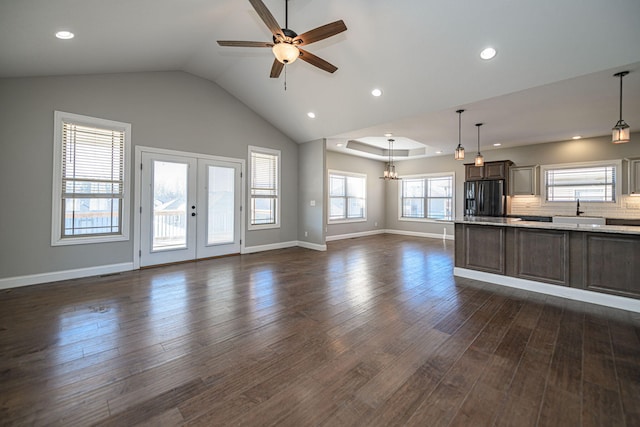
(516, 222)
(596, 259)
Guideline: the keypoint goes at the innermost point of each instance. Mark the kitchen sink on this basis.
(592, 220)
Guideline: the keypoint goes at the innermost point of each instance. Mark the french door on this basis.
(190, 208)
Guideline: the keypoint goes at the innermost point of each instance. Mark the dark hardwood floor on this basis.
(374, 332)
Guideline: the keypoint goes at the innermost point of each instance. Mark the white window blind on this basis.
(589, 184)
(347, 196)
(90, 198)
(92, 179)
(264, 188)
(427, 197)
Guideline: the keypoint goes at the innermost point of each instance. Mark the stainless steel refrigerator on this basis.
(485, 198)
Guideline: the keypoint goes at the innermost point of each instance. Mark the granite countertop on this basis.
(516, 222)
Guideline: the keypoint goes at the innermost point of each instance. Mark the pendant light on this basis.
(390, 169)
(459, 153)
(479, 159)
(620, 132)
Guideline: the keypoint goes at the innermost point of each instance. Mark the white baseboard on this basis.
(353, 235)
(614, 301)
(55, 276)
(420, 234)
(314, 246)
(269, 247)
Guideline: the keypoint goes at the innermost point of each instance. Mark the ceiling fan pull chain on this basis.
(285, 78)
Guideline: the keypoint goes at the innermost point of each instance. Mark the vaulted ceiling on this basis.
(551, 79)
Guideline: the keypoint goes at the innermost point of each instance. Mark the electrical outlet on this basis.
(306, 234)
(375, 224)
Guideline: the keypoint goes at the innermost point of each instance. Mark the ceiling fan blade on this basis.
(266, 16)
(318, 62)
(234, 43)
(276, 69)
(321, 33)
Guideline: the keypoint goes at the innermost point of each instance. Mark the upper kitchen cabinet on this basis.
(634, 176)
(523, 181)
(490, 170)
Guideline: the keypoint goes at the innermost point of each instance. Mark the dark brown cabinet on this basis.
(490, 170)
(594, 261)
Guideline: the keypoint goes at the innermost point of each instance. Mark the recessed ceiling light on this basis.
(65, 35)
(439, 152)
(376, 92)
(311, 115)
(497, 144)
(339, 144)
(388, 135)
(576, 137)
(488, 53)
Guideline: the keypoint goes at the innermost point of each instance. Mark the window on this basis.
(265, 188)
(593, 183)
(347, 196)
(427, 197)
(91, 167)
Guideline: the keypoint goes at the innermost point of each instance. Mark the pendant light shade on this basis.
(390, 169)
(620, 132)
(459, 153)
(479, 159)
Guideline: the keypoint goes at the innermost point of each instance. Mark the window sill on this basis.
(428, 220)
(262, 227)
(68, 241)
(346, 221)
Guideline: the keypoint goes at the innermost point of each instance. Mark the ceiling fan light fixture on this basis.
(620, 132)
(285, 53)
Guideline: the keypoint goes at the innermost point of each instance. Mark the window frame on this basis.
(618, 182)
(346, 219)
(427, 177)
(57, 238)
(278, 154)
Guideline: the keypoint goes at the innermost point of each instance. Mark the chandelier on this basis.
(390, 169)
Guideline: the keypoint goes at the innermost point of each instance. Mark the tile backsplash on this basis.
(628, 208)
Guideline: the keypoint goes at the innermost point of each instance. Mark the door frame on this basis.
(137, 192)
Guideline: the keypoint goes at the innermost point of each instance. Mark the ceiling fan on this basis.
(286, 42)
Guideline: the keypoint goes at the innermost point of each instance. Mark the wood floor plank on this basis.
(601, 406)
(560, 408)
(566, 365)
(442, 404)
(397, 409)
(374, 331)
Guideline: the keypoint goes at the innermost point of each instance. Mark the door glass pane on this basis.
(220, 209)
(169, 205)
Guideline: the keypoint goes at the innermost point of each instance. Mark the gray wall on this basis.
(172, 110)
(375, 192)
(584, 150)
(311, 173)
(425, 166)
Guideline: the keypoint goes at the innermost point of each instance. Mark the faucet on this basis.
(578, 211)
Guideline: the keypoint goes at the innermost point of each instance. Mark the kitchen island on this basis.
(597, 264)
